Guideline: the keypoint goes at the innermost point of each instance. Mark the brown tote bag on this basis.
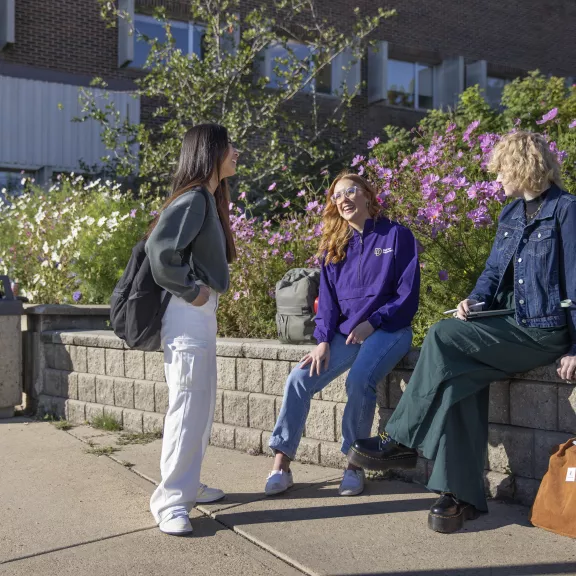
(555, 506)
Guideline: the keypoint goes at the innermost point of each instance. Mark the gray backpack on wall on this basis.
(295, 295)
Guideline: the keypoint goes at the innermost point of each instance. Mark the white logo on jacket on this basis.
(380, 251)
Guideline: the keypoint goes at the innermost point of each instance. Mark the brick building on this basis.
(429, 53)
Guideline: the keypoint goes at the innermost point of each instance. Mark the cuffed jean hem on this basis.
(281, 446)
(345, 447)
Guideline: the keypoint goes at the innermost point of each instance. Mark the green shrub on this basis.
(70, 243)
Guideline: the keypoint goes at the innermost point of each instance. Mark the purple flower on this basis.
(154, 213)
(548, 116)
(312, 205)
(301, 193)
(480, 217)
(572, 124)
(77, 296)
(133, 213)
(236, 296)
(324, 173)
(517, 122)
(272, 186)
(286, 204)
(470, 129)
(451, 127)
(560, 154)
(357, 159)
(288, 257)
(373, 142)
(450, 197)
(384, 172)
(443, 275)
(361, 171)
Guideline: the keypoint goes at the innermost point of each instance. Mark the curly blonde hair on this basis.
(336, 232)
(525, 160)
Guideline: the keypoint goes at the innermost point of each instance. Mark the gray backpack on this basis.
(295, 295)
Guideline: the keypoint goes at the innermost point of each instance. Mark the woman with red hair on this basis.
(369, 290)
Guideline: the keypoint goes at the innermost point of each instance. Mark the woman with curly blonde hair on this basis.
(526, 321)
(369, 287)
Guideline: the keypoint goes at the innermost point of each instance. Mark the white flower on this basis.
(102, 221)
(55, 257)
(45, 264)
(90, 221)
(45, 248)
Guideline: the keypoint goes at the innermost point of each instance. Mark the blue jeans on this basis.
(369, 364)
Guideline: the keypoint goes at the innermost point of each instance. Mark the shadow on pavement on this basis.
(567, 568)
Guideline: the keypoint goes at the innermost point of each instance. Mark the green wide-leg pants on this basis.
(444, 410)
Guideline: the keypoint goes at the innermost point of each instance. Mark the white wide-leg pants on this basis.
(189, 341)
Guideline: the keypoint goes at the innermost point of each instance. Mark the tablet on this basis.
(486, 313)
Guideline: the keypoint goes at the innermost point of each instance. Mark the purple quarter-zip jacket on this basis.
(378, 281)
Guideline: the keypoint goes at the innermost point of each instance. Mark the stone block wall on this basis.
(90, 372)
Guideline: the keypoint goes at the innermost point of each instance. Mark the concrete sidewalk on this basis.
(69, 512)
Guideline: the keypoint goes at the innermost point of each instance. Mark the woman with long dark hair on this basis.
(190, 245)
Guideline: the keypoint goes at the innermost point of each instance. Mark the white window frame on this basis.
(416, 85)
(338, 75)
(193, 28)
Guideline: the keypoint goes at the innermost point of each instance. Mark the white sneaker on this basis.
(278, 481)
(352, 483)
(176, 523)
(207, 495)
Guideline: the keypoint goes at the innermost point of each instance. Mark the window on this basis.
(494, 89)
(410, 84)
(11, 183)
(322, 83)
(187, 37)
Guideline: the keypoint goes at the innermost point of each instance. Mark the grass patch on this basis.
(138, 438)
(106, 422)
(58, 423)
(100, 450)
(62, 425)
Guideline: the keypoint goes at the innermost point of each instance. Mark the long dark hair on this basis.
(203, 151)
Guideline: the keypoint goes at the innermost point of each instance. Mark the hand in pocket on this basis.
(203, 296)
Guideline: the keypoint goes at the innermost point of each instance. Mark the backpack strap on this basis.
(185, 254)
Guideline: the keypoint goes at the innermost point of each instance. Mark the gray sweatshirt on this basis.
(187, 223)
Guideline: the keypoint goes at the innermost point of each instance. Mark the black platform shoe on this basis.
(448, 514)
(381, 453)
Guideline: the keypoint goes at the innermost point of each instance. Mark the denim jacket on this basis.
(544, 253)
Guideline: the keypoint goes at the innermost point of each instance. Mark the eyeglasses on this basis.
(349, 193)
